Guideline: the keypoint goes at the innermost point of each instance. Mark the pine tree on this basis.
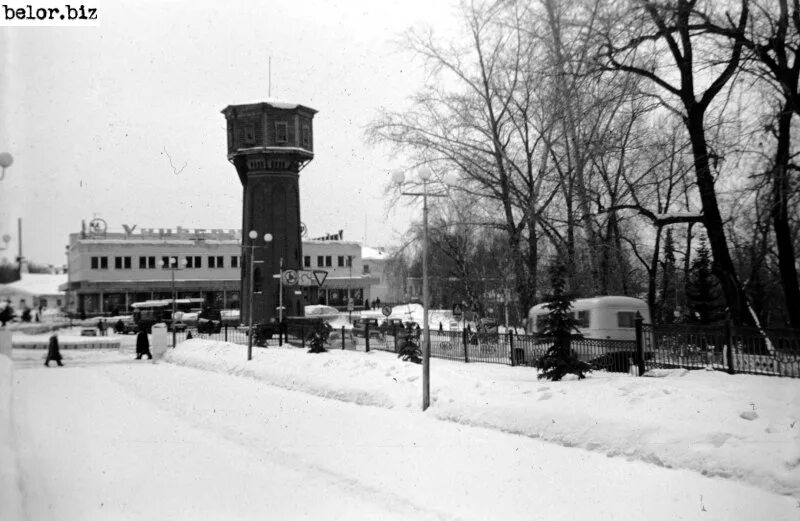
(703, 294)
(668, 280)
(409, 347)
(560, 325)
(319, 337)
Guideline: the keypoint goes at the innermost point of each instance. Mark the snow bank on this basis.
(10, 493)
(740, 427)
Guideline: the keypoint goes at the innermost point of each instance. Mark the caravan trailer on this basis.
(609, 317)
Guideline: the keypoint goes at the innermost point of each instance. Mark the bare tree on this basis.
(773, 40)
(661, 44)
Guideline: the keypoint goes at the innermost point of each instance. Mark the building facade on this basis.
(108, 271)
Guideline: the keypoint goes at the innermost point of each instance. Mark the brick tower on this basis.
(269, 143)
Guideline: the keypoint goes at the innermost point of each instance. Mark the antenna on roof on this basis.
(269, 87)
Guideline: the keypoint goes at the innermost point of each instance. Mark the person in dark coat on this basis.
(53, 354)
(143, 345)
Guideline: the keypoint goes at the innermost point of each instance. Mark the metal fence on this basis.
(723, 347)
(720, 347)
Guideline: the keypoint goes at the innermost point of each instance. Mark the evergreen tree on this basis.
(703, 294)
(668, 282)
(409, 346)
(319, 337)
(560, 325)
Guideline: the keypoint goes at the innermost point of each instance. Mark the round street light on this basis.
(253, 234)
(6, 160)
(398, 177)
(425, 174)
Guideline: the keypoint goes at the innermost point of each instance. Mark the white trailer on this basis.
(608, 317)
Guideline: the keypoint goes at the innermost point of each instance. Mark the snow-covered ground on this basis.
(207, 428)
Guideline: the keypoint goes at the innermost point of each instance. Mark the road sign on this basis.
(289, 277)
(304, 277)
(386, 310)
(457, 311)
(320, 275)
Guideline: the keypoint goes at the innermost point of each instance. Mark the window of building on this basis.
(306, 136)
(194, 261)
(122, 263)
(340, 261)
(216, 261)
(366, 269)
(58, 302)
(328, 261)
(320, 261)
(281, 132)
(307, 261)
(234, 261)
(220, 261)
(626, 318)
(166, 263)
(99, 263)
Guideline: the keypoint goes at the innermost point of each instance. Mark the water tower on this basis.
(269, 143)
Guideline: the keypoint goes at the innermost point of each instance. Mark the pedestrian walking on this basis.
(101, 326)
(53, 354)
(143, 345)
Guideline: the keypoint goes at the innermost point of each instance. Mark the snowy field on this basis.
(204, 434)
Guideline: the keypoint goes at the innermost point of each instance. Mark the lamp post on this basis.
(66, 295)
(6, 160)
(173, 265)
(253, 235)
(425, 176)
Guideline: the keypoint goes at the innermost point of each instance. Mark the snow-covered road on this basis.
(109, 438)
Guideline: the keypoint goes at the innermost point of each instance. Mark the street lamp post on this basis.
(425, 176)
(173, 264)
(267, 239)
(6, 160)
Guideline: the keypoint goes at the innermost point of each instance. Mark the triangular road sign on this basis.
(320, 275)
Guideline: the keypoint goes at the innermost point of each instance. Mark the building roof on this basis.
(35, 284)
(368, 253)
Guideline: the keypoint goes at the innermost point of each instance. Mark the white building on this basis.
(108, 271)
(35, 290)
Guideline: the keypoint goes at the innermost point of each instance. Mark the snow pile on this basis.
(10, 494)
(739, 427)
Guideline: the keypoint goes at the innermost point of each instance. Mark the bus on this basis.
(150, 312)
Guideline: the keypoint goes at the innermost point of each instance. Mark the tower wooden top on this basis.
(270, 126)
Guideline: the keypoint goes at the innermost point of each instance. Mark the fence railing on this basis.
(719, 347)
(723, 347)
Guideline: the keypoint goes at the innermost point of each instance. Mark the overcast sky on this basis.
(91, 113)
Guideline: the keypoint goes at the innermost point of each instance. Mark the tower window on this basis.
(306, 136)
(281, 132)
(249, 134)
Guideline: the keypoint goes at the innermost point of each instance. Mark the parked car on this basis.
(129, 326)
(360, 327)
(208, 326)
(389, 325)
(177, 325)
